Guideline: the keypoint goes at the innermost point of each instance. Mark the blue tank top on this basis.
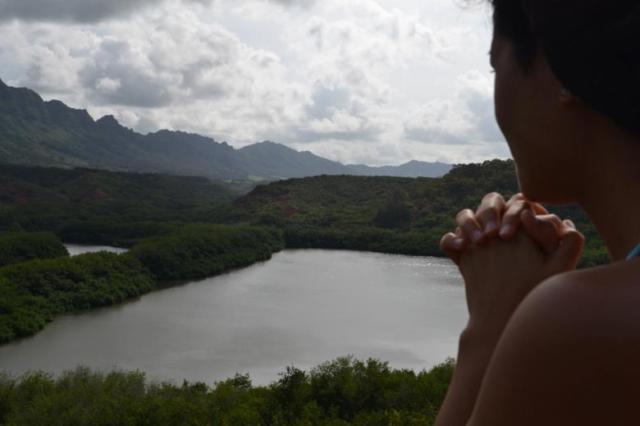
(634, 253)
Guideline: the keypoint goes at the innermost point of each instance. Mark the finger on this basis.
(451, 242)
(516, 197)
(569, 251)
(471, 229)
(511, 219)
(552, 218)
(546, 230)
(538, 208)
(489, 213)
(452, 245)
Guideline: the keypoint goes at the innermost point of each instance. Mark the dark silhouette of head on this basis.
(592, 46)
(567, 89)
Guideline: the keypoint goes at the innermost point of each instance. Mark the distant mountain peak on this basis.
(27, 124)
(271, 143)
(108, 120)
(179, 134)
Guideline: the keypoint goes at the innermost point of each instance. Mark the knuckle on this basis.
(487, 215)
(555, 220)
(515, 199)
(463, 215)
(513, 214)
(491, 196)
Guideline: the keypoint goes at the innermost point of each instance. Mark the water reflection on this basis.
(301, 308)
(76, 249)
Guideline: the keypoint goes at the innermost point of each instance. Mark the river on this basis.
(76, 249)
(301, 308)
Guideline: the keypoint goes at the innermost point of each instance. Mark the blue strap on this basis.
(634, 253)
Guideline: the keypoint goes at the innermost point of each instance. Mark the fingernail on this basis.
(570, 223)
(490, 226)
(476, 236)
(458, 243)
(506, 231)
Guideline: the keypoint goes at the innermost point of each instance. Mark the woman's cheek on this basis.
(505, 110)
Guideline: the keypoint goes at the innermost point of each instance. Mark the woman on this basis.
(546, 344)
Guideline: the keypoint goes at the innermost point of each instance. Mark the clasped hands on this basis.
(504, 250)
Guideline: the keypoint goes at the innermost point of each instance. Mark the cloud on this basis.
(298, 3)
(121, 75)
(360, 81)
(465, 118)
(349, 53)
(92, 11)
(68, 10)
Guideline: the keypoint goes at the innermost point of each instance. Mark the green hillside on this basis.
(385, 214)
(95, 206)
(394, 215)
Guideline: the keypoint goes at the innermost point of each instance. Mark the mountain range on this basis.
(35, 132)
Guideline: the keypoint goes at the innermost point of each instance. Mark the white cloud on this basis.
(359, 81)
(67, 10)
(92, 11)
(466, 118)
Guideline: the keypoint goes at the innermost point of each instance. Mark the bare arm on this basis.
(498, 276)
(474, 354)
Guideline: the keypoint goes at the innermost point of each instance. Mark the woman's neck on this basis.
(612, 199)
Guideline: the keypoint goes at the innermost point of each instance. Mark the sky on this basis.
(358, 81)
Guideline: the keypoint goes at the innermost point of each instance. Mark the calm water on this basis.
(76, 249)
(301, 308)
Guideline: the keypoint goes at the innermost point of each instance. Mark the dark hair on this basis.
(592, 46)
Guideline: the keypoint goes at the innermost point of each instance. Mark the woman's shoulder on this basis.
(613, 284)
(591, 299)
(570, 354)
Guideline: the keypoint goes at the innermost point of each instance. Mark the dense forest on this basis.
(200, 251)
(35, 199)
(386, 214)
(341, 392)
(16, 247)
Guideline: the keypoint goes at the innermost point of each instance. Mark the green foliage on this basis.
(113, 232)
(393, 215)
(396, 213)
(199, 251)
(32, 293)
(68, 202)
(18, 247)
(417, 243)
(341, 392)
(387, 214)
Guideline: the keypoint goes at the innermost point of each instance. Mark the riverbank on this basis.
(34, 292)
